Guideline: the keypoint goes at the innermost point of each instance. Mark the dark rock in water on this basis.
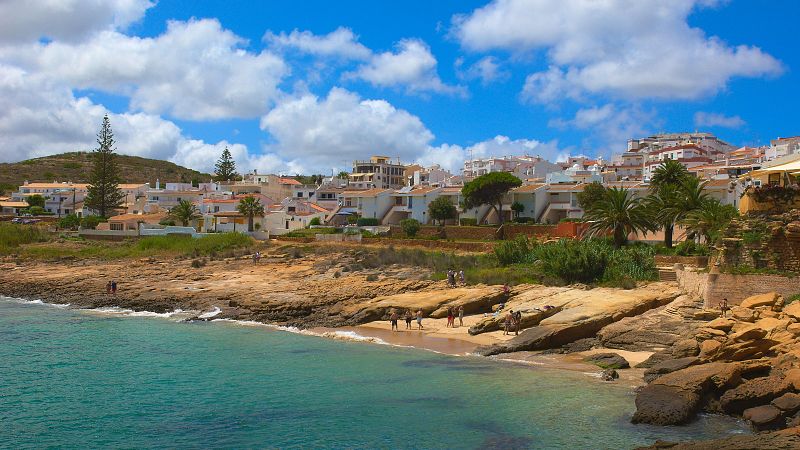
(668, 366)
(608, 361)
(751, 393)
(764, 417)
(609, 375)
(654, 359)
(665, 405)
(581, 345)
(505, 442)
(789, 402)
(779, 440)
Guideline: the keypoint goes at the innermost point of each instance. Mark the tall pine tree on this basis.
(225, 169)
(104, 194)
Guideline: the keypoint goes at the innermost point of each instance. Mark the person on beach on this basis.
(419, 319)
(113, 287)
(409, 318)
(450, 318)
(451, 278)
(517, 322)
(108, 288)
(723, 307)
(256, 257)
(507, 323)
(461, 315)
(462, 278)
(393, 319)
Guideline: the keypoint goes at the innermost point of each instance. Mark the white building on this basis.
(521, 166)
(781, 147)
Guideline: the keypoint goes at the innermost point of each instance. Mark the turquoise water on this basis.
(74, 379)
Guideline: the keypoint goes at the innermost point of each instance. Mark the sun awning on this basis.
(791, 167)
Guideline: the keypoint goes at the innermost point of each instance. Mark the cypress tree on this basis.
(225, 169)
(104, 194)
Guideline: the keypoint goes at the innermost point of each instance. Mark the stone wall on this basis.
(717, 286)
(512, 230)
(670, 260)
(471, 233)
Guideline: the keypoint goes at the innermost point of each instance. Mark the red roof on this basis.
(290, 181)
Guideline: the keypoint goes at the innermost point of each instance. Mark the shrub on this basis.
(13, 235)
(595, 260)
(514, 251)
(352, 219)
(468, 222)
(691, 248)
(91, 222)
(70, 221)
(410, 227)
(523, 219)
(368, 222)
(372, 277)
(198, 263)
(314, 221)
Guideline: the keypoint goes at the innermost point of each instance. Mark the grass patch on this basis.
(13, 235)
(310, 232)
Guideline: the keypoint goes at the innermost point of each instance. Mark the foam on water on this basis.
(213, 313)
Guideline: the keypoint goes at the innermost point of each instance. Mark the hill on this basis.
(76, 166)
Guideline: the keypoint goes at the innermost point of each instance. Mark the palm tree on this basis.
(708, 221)
(663, 208)
(670, 172)
(620, 213)
(250, 207)
(184, 212)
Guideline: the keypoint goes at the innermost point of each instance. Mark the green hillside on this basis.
(75, 166)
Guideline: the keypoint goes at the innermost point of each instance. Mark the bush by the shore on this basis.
(13, 235)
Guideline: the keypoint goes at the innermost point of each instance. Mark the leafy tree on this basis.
(91, 222)
(592, 193)
(343, 175)
(489, 189)
(225, 168)
(709, 220)
(35, 200)
(619, 213)
(518, 208)
(35, 210)
(314, 221)
(104, 194)
(250, 207)
(410, 227)
(665, 197)
(184, 212)
(670, 172)
(441, 209)
(69, 222)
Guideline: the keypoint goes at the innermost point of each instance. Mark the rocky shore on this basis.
(692, 360)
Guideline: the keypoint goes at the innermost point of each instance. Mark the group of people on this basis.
(513, 322)
(409, 317)
(451, 316)
(456, 277)
(111, 287)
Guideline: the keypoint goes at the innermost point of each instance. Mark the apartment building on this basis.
(521, 166)
(379, 172)
(781, 147)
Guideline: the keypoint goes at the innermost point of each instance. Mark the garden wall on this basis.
(472, 233)
(715, 287)
(512, 230)
(670, 260)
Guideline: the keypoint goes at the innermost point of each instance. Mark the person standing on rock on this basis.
(113, 287)
(451, 321)
(393, 319)
(461, 314)
(462, 277)
(108, 288)
(409, 318)
(508, 320)
(723, 307)
(517, 322)
(419, 319)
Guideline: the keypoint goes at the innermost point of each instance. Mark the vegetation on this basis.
(513, 251)
(780, 196)
(250, 207)
(91, 222)
(664, 201)
(314, 221)
(468, 222)
(343, 175)
(591, 194)
(35, 200)
(225, 168)
(315, 180)
(310, 232)
(489, 189)
(517, 208)
(709, 221)
(13, 235)
(368, 222)
(184, 212)
(620, 214)
(69, 222)
(104, 194)
(76, 167)
(410, 227)
(442, 209)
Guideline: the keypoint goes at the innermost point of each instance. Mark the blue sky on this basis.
(309, 86)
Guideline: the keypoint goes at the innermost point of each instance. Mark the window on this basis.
(774, 179)
(116, 226)
(299, 195)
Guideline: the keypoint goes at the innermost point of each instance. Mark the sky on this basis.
(308, 87)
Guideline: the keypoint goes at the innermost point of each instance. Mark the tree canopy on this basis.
(591, 194)
(104, 194)
(35, 200)
(225, 168)
(184, 212)
(619, 213)
(250, 207)
(441, 209)
(489, 189)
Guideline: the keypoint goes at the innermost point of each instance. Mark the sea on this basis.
(111, 378)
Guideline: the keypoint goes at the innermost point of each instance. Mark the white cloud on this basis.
(340, 43)
(196, 70)
(318, 134)
(30, 20)
(706, 119)
(452, 157)
(626, 48)
(486, 69)
(610, 126)
(412, 65)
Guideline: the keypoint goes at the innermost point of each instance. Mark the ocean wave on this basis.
(35, 302)
(210, 314)
(340, 335)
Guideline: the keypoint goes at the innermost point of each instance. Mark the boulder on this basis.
(752, 393)
(530, 318)
(792, 310)
(763, 417)
(608, 361)
(668, 366)
(609, 375)
(709, 348)
(743, 314)
(723, 323)
(788, 439)
(792, 379)
(705, 334)
(767, 299)
(665, 405)
(794, 328)
(789, 402)
(685, 347)
(749, 333)
(706, 314)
